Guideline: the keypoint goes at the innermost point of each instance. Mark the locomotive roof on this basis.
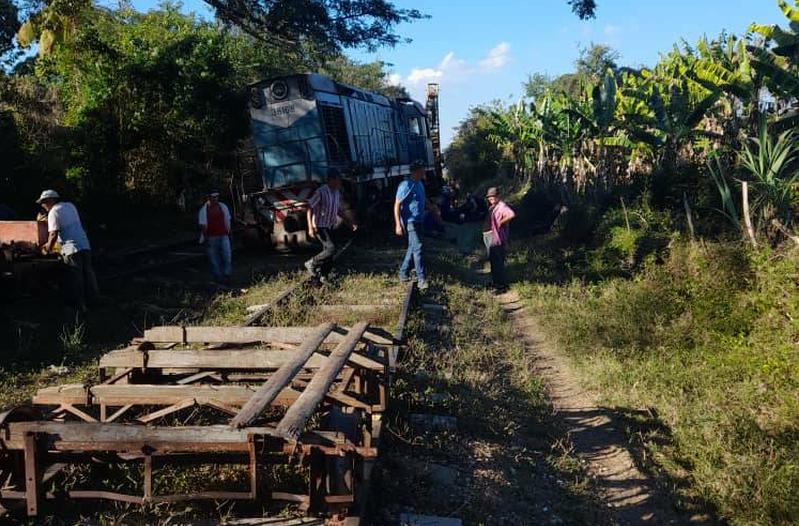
(323, 83)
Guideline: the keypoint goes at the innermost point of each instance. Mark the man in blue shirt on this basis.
(408, 219)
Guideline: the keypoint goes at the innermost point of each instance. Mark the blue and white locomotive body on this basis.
(302, 125)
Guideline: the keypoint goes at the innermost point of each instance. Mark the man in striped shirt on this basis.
(323, 212)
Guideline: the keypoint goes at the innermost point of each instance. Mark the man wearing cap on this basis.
(409, 207)
(64, 226)
(214, 221)
(324, 208)
(500, 215)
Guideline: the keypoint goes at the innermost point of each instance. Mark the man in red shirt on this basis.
(214, 221)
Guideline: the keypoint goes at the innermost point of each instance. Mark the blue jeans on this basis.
(414, 252)
(219, 257)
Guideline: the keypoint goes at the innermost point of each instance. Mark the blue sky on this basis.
(483, 50)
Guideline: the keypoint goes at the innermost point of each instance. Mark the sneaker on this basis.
(422, 285)
(405, 279)
(309, 266)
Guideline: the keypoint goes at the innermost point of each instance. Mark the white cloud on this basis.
(497, 58)
(420, 75)
(395, 79)
(453, 69)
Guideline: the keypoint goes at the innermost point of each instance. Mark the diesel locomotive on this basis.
(304, 124)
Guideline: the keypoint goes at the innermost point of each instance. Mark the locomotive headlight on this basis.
(279, 89)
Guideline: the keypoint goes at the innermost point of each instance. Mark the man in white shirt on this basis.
(64, 226)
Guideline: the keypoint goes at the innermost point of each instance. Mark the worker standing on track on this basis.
(409, 209)
(64, 226)
(324, 209)
(214, 221)
(500, 215)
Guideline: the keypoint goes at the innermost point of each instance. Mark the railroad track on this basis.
(125, 263)
(309, 397)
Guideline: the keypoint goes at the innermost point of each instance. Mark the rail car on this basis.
(302, 125)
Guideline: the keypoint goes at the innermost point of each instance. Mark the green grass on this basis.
(706, 341)
(472, 366)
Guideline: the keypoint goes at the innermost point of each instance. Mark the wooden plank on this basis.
(114, 379)
(62, 394)
(165, 334)
(294, 420)
(365, 362)
(133, 436)
(222, 397)
(242, 335)
(255, 359)
(31, 474)
(399, 335)
(272, 387)
(155, 415)
(263, 309)
(197, 376)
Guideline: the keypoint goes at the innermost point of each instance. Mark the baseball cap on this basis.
(48, 194)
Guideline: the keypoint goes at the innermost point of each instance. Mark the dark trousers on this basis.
(496, 255)
(81, 283)
(323, 261)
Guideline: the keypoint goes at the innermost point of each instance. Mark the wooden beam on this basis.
(123, 437)
(155, 415)
(123, 373)
(272, 387)
(32, 487)
(243, 335)
(297, 415)
(261, 311)
(255, 359)
(222, 397)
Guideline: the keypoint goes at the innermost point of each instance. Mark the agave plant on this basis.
(728, 207)
(772, 164)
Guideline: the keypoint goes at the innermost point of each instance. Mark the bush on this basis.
(707, 339)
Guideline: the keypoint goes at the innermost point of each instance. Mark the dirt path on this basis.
(594, 432)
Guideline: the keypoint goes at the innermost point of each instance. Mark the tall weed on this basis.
(708, 339)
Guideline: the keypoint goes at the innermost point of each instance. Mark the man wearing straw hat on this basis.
(64, 226)
(500, 215)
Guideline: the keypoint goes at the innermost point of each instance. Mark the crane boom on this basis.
(435, 130)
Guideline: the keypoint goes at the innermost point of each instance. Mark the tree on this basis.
(330, 24)
(595, 60)
(537, 85)
(9, 24)
(585, 9)
(370, 76)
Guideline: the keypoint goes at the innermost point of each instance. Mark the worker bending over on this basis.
(324, 208)
(214, 221)
(64, 226)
